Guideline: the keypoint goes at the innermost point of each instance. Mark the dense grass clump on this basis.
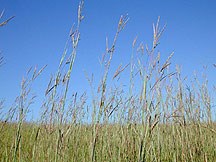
(157, 117)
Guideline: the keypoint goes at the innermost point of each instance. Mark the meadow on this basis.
(157, 117)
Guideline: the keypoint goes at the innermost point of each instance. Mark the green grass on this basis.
(192, 142)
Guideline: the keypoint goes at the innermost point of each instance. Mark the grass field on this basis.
(157, 117)
(192, 142)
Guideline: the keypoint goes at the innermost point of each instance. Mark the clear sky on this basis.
(40, 29)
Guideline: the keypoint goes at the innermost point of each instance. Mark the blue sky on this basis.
(40, 29)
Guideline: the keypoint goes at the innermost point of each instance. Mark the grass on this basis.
(157, 117)
(114, 143)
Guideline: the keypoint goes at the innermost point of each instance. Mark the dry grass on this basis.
(155, 118)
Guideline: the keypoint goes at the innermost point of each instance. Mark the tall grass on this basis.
(3, 23)
(157, 117)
